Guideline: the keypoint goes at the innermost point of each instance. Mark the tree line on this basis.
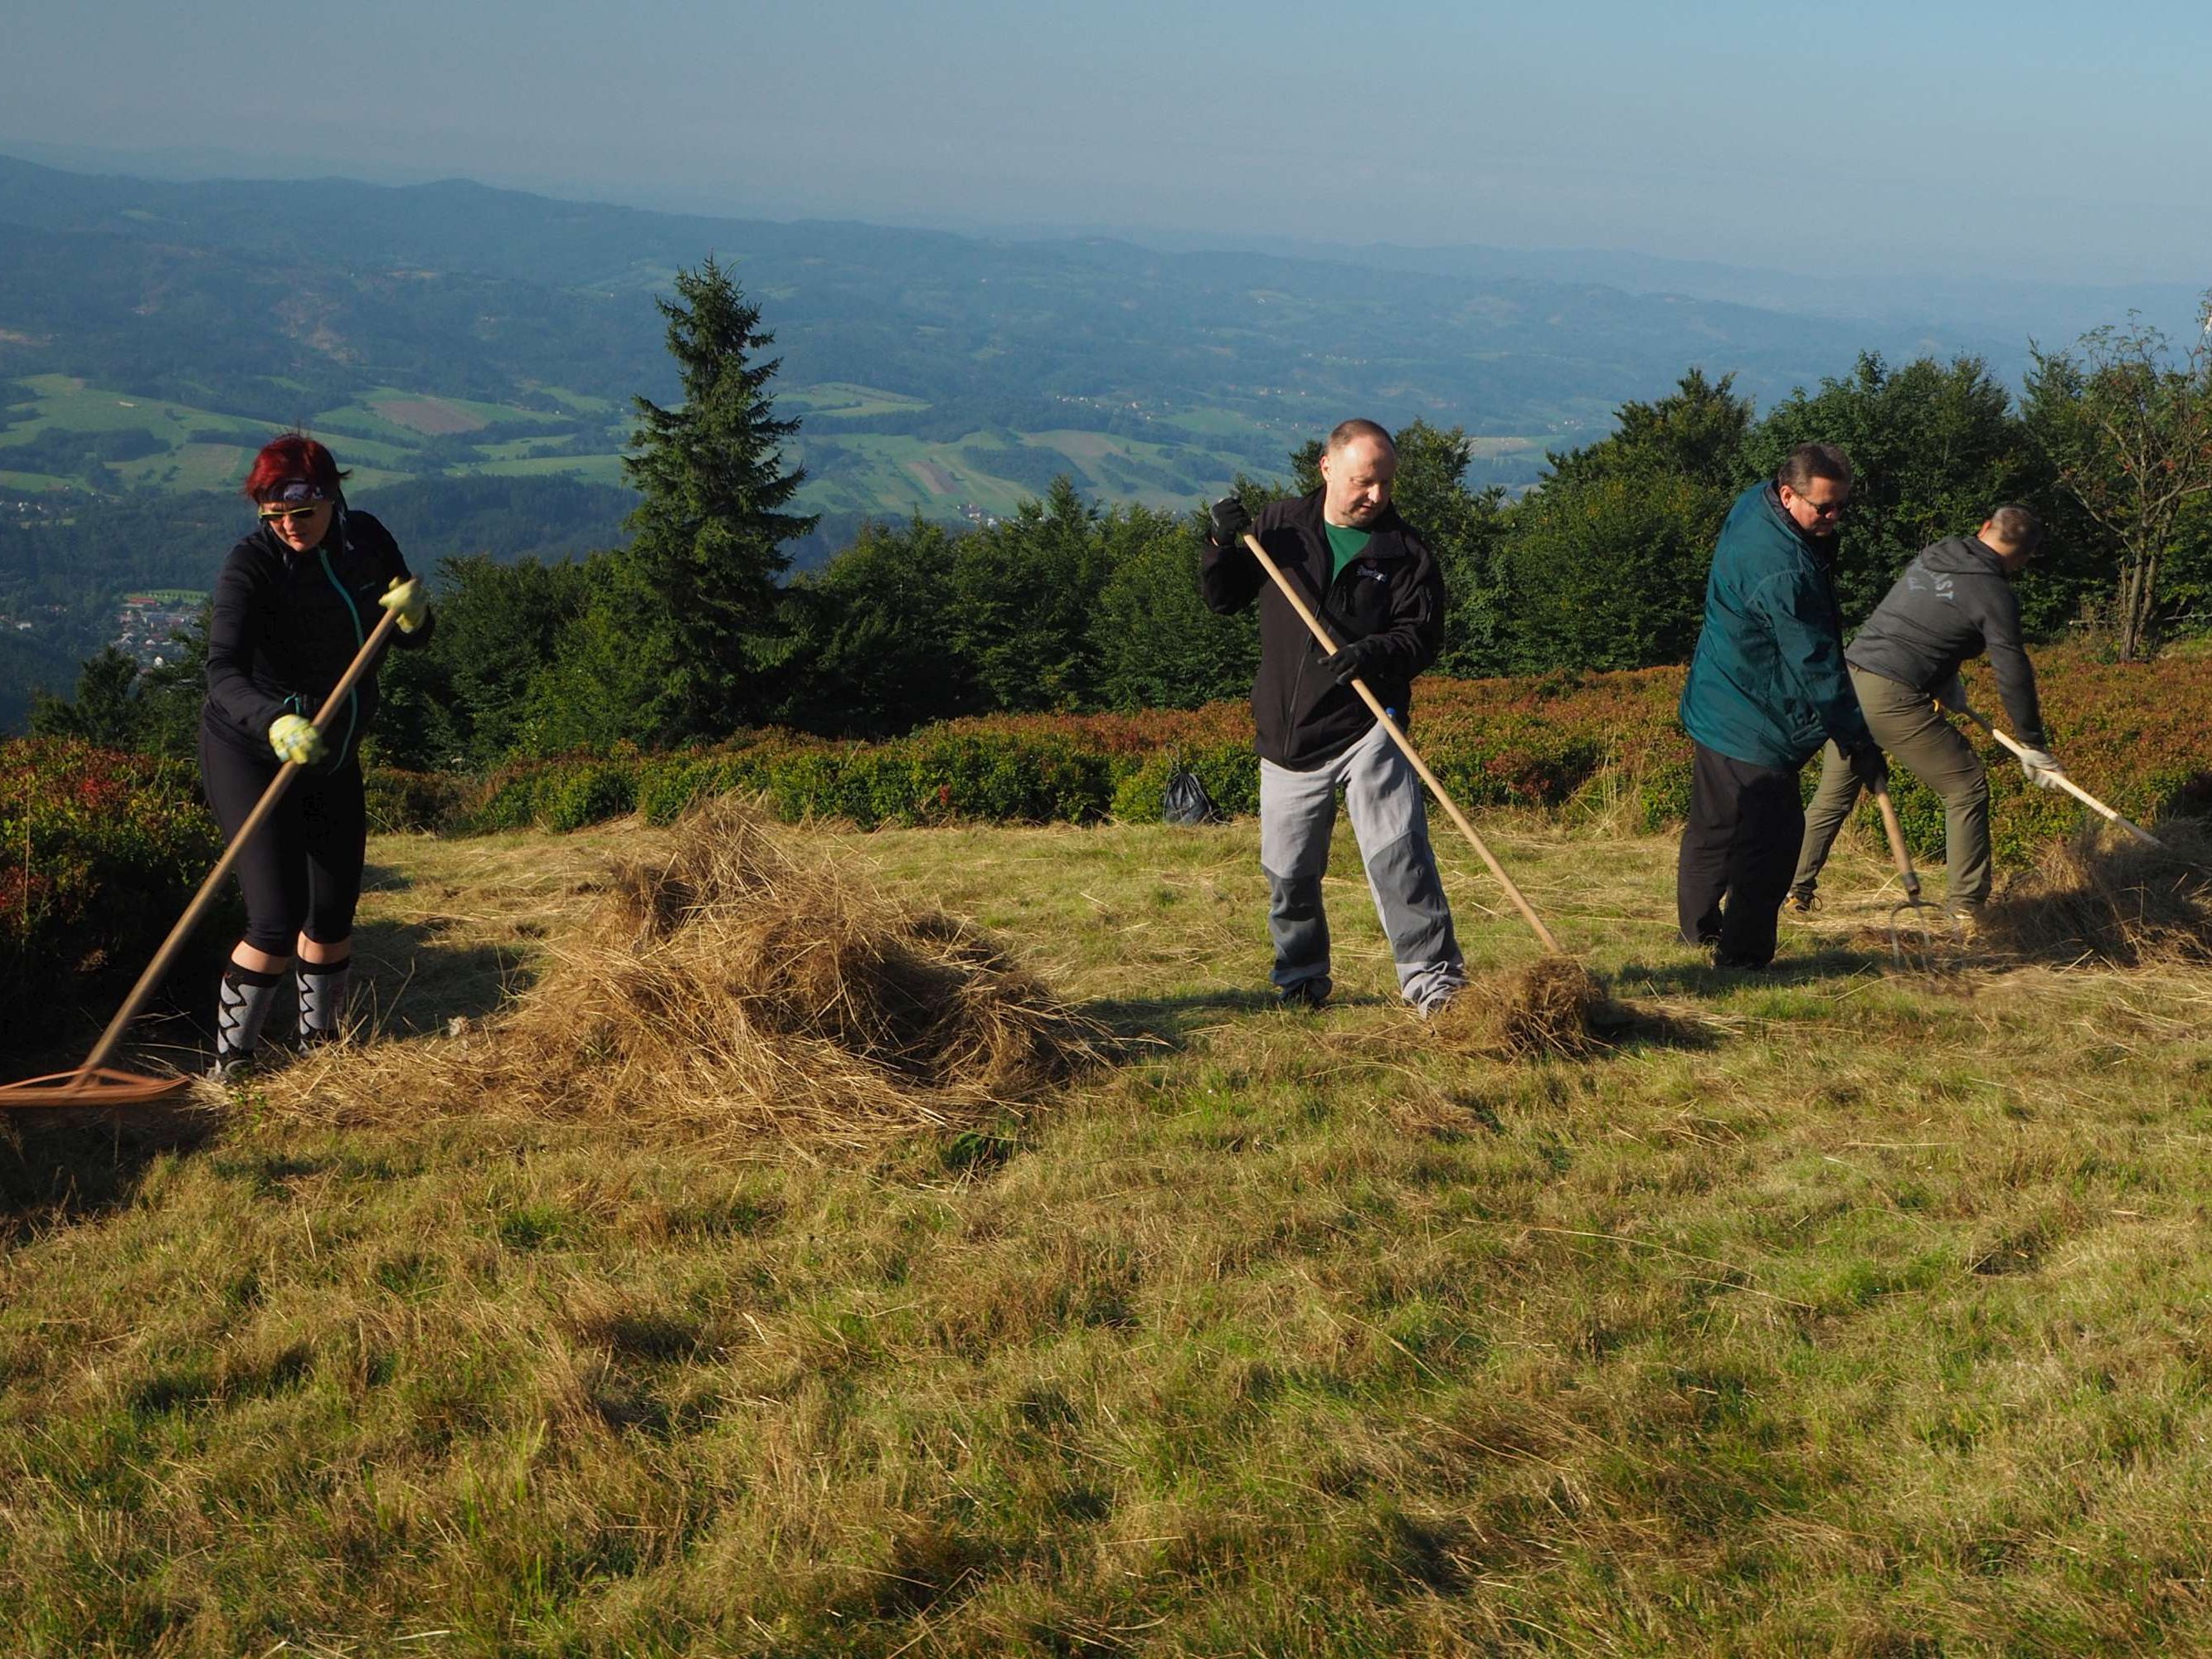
(697, 628)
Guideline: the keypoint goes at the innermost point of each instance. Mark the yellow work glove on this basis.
(409, 601)
(295, 739)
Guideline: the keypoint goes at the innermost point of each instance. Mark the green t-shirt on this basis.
(1347, 541)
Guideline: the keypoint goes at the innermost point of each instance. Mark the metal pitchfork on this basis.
(1913, 912)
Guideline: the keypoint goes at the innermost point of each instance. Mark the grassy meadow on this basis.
(1835, 1310)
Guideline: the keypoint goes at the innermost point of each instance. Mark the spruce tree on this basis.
(706, 553)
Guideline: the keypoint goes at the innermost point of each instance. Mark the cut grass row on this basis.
(1831, 1311)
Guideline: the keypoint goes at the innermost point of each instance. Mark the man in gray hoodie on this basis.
(1954, 602)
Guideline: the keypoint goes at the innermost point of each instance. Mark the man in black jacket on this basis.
(1377, 589)
(1954, 602)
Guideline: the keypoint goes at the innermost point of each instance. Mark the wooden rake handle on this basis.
(1895, 831)
(2068, 784)
(1406, 746)
(363, 659)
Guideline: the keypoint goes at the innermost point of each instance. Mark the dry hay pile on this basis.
(1548, 1007)
(739, 985)
(2102, 898)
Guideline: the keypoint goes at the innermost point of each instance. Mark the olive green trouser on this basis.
(1915, 736)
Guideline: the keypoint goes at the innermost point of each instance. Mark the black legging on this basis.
(302, 873)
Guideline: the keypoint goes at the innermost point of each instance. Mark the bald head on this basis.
(1358, 465)
(1346, 432)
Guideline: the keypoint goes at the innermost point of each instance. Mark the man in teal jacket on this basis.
(1767, 688)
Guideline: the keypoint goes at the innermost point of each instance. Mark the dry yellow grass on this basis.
(733, 984)
(2106, 898)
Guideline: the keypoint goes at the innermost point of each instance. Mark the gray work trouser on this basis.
(1297, 811)
(1906, 723)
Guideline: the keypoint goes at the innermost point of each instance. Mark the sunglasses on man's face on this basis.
(1834, 509)
(278, 515)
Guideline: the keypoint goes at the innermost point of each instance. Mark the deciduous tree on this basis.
(2127, 425)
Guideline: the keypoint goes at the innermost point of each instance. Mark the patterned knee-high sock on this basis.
(246, 999)
(322, 999)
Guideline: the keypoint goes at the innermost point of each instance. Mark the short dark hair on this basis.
(1346, 432)
(1809, 461)
(2017, 527)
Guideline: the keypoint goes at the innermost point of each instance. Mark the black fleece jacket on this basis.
(286, 624)
(1952, 603)
(1392, 597)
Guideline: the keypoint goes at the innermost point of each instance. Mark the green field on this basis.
(191, 466)
(406, 420)
(64, 402)
(387, 433)
(1829, 1310)
(592, 468)
(830, 400)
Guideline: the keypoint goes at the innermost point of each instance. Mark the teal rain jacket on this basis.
(1767, 685)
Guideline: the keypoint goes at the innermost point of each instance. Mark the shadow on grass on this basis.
(1702, 979)
(57, 1170)
(1172, 1019)
(408, 983)
(383, 878)
(1619, 1024)
(53, 1173)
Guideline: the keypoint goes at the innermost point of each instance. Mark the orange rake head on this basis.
(90, 1087)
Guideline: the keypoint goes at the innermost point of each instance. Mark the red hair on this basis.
(295, 455)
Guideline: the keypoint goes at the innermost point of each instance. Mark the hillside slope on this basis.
(1827, 1310)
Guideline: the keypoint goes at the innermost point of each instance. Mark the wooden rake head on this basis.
(93, 1088)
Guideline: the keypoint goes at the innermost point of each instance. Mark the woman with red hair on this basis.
(295, 602)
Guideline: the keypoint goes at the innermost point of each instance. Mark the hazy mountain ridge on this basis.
(928, 314)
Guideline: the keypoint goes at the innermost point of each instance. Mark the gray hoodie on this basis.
(1954, 602)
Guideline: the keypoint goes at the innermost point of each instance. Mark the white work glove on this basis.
(409, 601)
(296, 741)
(2041, 769)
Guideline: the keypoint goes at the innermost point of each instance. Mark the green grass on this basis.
(1829, 1311)
(592, 468)
(64, 401)
(517, 449)
(834, 399)
(582, 402)
(191, 466)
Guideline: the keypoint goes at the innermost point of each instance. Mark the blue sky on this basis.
(2039, 139)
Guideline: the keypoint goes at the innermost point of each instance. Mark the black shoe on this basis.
(1306, 993)
(234, 1068)
(1740, 964)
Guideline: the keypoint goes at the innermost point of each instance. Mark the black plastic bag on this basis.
(1185, 799)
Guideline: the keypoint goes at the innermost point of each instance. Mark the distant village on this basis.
(144, 622)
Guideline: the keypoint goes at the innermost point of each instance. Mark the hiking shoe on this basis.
(1800, 903)
(1967, 918)
(1306, 993)
(1436, 1001)
(1740, 964)
(237, 1068)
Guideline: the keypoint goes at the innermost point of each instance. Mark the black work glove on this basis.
(1869, 766)
(1353, 660)
(1228, 521)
